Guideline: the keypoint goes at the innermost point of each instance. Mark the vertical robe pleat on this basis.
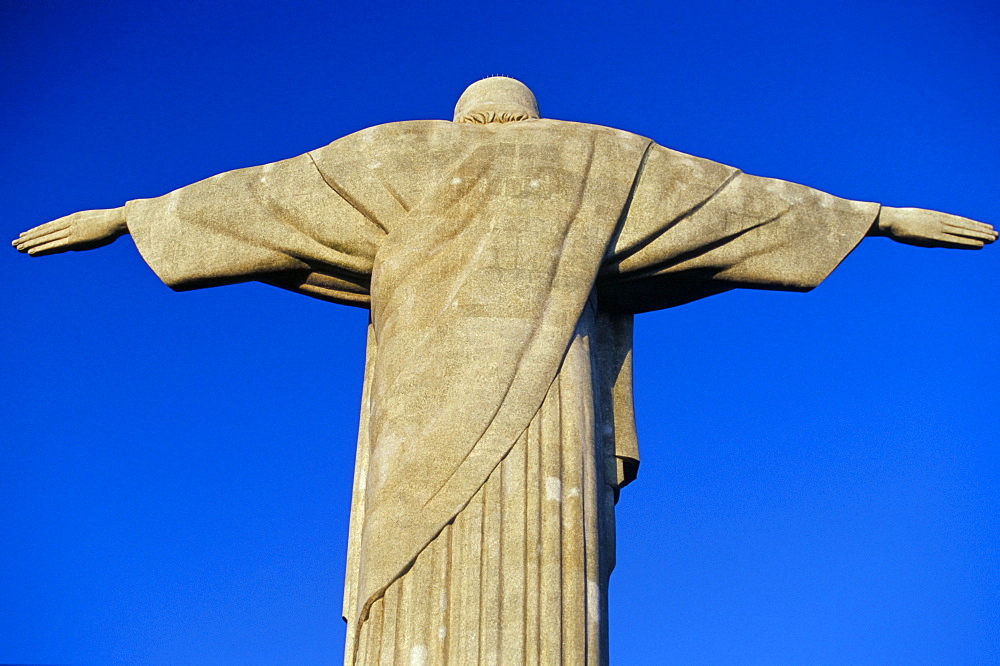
(520, 575)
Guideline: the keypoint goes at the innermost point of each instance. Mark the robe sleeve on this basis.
(612, 362)
(280, 223)
(696, 228)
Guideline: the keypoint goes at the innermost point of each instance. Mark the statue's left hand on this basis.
(80, 231)
(929, 228)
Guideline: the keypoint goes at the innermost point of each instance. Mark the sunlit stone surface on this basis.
(502, 257)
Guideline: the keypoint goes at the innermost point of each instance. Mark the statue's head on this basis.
(498, 99)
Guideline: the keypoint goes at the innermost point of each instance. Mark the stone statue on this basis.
(502, 257)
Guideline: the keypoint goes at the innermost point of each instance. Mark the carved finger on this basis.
(966, 223)
(38, 242)
(34, 230)
(48, 226)
(52, 247)
(971, 232)
(23, 245)
(961, 242)
(970, 224)
(43, 229)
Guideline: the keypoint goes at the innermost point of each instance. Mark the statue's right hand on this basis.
(929, 228)
(80, 231)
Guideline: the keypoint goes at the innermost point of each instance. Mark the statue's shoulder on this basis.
(575, 126)
(408, 131)
(408, 136)
(426, 140)
(445, 130)
(602, 137)
(556, 129)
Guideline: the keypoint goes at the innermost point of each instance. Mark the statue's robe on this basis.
(502, 264)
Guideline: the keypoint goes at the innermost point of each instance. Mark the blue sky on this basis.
(820, 472)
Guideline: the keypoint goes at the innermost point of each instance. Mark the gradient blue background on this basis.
(820, 472)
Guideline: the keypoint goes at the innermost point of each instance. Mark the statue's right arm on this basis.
(85, 230)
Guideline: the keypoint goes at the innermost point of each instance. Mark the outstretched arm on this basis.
(697, 228)
(928, 228)
(280, 223)
(80, 231)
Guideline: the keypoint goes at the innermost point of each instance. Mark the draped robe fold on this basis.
(477, 249)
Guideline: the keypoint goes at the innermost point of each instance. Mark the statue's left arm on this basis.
(696, 228)
(280, 223)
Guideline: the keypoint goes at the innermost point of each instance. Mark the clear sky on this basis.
(820, 478)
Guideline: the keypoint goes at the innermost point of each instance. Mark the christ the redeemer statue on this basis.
(502, 257)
